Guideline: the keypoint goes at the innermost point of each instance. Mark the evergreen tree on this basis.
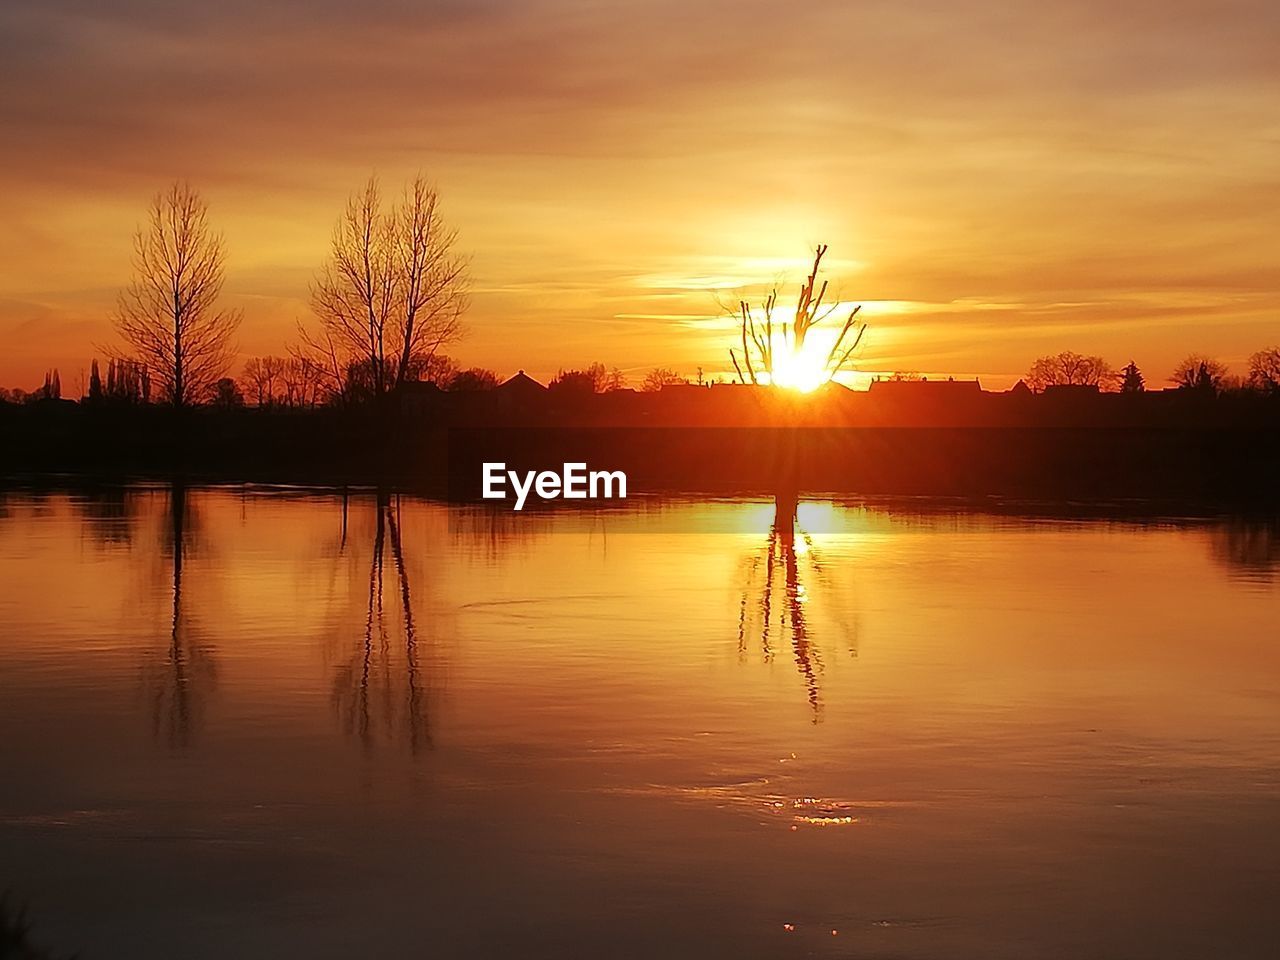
(1131, 380)
(95, 383)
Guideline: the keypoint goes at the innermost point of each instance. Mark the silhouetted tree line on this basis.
(386, 302)
(389, 300)
(1195, 372)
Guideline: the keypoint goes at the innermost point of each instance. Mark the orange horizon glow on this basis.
(994, 184)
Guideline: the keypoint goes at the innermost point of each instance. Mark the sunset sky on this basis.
(995, 180)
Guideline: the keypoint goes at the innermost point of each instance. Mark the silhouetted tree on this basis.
(472, 380)
(1264, 370)
(263, 379)
(596, 378)
(1131, 379)
(227, 395)
(127, 382)
(95, 383)
(390, 296)
(1199, 372)
(759, 337)
(168, 315)
(607, 380)
(905, 376)
(300, 383)
(1068, 368)
(52, 389)
(660, 377)
(438, 369)
(577, 382)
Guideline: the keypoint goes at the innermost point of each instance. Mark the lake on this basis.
(260, 722)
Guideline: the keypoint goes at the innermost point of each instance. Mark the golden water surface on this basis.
(264, 723)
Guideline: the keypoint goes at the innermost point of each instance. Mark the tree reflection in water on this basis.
(1248, 547)
(178, 683)
(777, 598)
(379, 689)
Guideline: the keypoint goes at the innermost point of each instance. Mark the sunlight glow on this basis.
(806, 369)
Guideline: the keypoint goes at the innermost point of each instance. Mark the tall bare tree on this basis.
(433, 279)
(391, 294)
(759, 337)
(168, 315)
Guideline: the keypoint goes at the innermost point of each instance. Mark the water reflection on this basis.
(1250, 548)
(1030, 713)
(379, 689)
(110, 515)
(179, 681)
(774, 611)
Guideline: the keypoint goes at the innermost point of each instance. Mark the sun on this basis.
(803, 370)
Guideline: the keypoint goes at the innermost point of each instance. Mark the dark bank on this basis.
(910, 439)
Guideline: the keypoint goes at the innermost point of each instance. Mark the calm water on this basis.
(257, 724)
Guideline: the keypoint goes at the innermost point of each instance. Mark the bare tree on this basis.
(298, 382)
(660, 377)
(433, 279)
(227, 394)
(168, 315)
(390, 296)
(354, 294)
(596, 378)
(1199, 372)
(1069, 369)
(1264, 370)
(253, 381)
(318, 355)
(265, 379)
(440, 369)
(473, 380)
(759, 337)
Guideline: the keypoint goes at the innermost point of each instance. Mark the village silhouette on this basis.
(368, 394)
(899, 437)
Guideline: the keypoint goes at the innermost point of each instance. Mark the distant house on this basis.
(1072, 390)
(925, 391)
(520, 388)
(1019, 389)
(833, 387)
